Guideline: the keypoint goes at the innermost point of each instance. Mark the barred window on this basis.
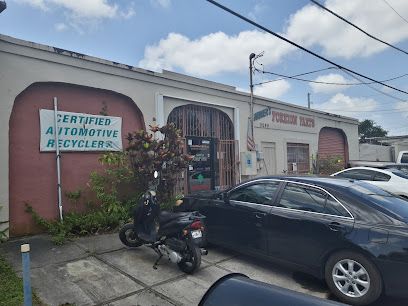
(298, 158)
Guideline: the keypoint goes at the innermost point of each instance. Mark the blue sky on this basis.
(196, 38)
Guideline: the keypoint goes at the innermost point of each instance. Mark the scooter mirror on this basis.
(156, 174)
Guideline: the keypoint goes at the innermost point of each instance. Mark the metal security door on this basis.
(332, 144)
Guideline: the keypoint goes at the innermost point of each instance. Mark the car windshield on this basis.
(385, 201)
(402, 168)
(400, 173)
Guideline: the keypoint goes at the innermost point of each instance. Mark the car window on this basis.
(358, 174)
(260, 193)
(381, 177)
(335, 208)
(404, 158)
(400, 173)
(396, 206)
(303, 198)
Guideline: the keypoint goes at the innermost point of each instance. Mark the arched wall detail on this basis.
(32, 174)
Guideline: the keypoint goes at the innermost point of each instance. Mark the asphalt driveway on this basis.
(100, 271)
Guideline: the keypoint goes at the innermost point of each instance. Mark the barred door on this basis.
(227, 156)
(207, 122)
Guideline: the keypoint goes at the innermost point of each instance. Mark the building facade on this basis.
(213, 119)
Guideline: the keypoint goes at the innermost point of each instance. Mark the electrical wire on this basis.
(299, 46)
(395, 11)
(374, 88)
(357, 27)
(295, 77)
(384, 111)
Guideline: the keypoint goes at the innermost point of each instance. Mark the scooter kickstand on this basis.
(157, 262)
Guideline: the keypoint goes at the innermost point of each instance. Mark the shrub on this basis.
(330, 164)
(148, 153)
(109, 213)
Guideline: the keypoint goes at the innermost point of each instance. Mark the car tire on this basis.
(353, 278)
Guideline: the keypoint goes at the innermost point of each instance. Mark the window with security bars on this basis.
(298, 158)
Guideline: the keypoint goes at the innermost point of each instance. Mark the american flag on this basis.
(250, 137)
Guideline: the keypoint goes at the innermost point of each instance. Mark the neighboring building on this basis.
(385, 148)
(213, 118)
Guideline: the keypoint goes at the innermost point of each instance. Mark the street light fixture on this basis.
(3, 5)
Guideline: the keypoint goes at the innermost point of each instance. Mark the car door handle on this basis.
(335, 226)
(260, 215)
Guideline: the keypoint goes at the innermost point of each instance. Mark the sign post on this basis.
(58, 159)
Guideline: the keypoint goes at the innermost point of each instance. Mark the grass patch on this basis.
(11, 287)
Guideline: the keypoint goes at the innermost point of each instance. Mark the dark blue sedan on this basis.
(352, 234)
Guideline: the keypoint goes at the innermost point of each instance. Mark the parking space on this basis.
(102, 272)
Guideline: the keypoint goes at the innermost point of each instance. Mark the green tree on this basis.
(368, 128)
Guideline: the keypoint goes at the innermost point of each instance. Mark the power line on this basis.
(395, 11)
(384, 111)
(357, 27)
(376, 89)
(299, 46)
(295, 77)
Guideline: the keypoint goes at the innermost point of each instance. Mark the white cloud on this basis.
(212, 53)
(128, 14)
(348, 106)
(34, 3)
(257, 9)
(161, 3)
(310, 26)
(89, 8)
(402, 107)
(330, 78)
(83, 14)
(313, 26)
(60, 27)
(86, 9)
(272, 90)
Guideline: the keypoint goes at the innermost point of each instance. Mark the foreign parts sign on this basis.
(268, 116)
(80, 132)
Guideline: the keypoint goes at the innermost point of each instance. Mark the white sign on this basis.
(80, 132)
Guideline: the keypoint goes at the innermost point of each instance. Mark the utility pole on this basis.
(252, 58)
(308, 100)
(251, 87)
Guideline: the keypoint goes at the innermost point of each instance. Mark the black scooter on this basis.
(174, 235)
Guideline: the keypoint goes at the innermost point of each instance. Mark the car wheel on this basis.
(353, 278)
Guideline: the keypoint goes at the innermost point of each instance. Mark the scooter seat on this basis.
(166, 216)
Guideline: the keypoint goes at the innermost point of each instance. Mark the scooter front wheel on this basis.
(129, 237)
(191, 259)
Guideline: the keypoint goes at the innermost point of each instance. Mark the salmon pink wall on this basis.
(32, 174)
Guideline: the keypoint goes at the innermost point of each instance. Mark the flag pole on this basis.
(59, 203)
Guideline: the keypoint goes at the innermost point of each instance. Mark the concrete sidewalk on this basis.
(98, 270)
